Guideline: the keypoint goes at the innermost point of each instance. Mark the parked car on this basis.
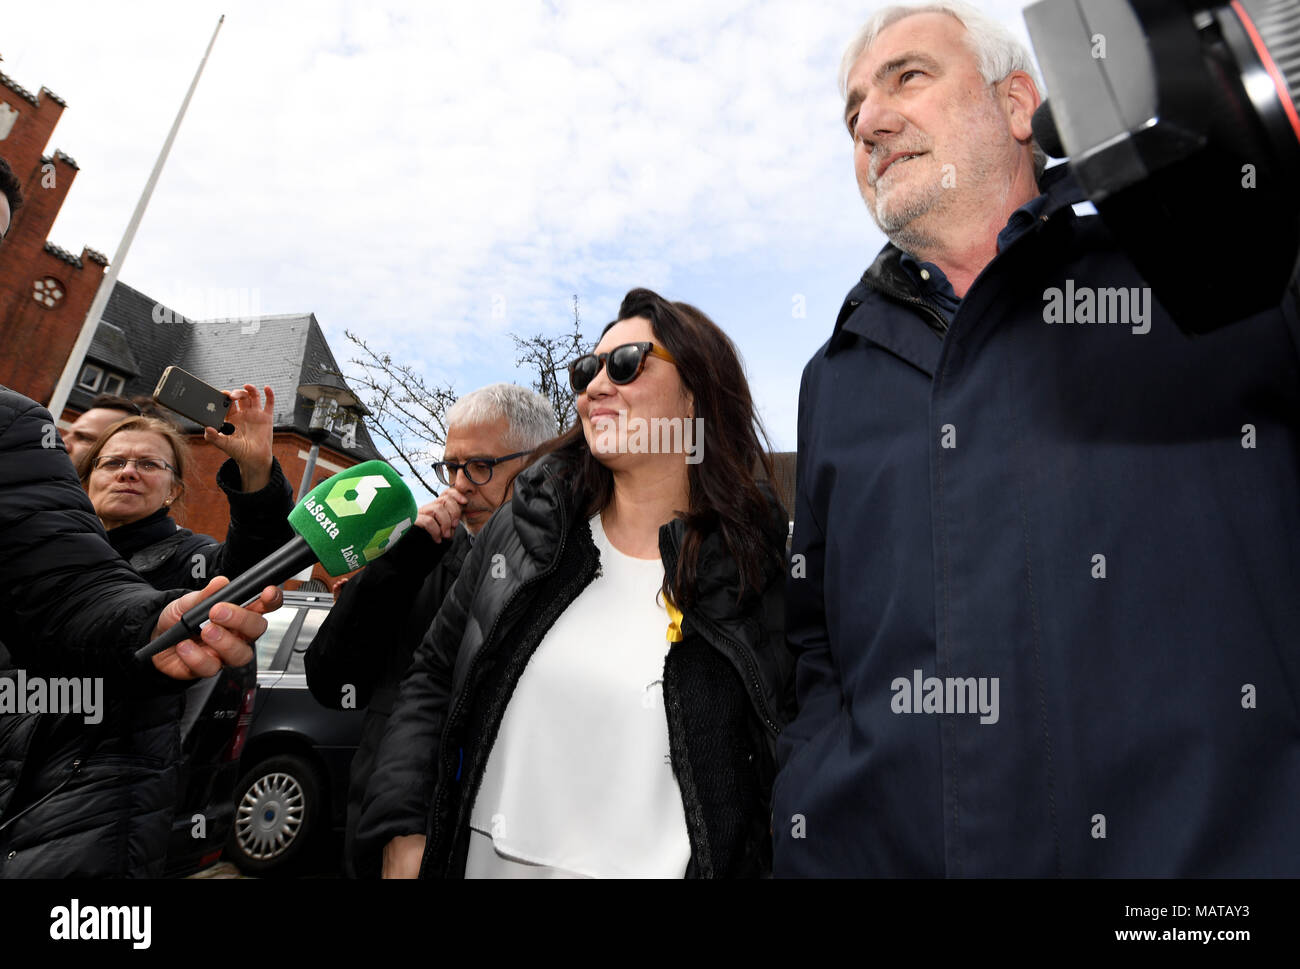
(294, 768)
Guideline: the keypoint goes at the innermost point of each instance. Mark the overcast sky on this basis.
(437, 175)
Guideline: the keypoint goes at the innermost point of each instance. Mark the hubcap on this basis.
(269, 816)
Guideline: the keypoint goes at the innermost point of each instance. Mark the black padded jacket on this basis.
(80, 799)
(69, 607)
(364, 648)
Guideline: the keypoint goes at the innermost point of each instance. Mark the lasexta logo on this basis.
(384, 539)
(353, 496)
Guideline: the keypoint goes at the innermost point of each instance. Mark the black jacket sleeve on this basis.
(356, 643)
(69, 604)
(401, 789)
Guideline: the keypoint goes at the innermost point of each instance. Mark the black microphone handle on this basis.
(284, 563)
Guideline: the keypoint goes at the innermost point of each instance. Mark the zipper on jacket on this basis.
(756, 694)
(469, 674)
(929, 308)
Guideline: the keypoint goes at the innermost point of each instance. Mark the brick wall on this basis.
(35, 339)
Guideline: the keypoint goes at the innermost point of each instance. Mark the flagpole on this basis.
(78, 354)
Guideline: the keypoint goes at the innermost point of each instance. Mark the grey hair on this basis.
(529, 416)
(997, 51)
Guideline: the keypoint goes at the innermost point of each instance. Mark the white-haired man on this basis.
(365, 646)
(1040, 563)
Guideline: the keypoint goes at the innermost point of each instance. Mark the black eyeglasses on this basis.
(624, 364)
(478, 470)
(142, 465)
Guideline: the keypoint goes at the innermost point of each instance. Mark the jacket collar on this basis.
(541, 507)
(886, 279)
(129, 539)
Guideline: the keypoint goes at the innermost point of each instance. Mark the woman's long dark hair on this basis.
(724, 486)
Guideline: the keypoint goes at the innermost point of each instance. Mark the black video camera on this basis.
(1180, 120)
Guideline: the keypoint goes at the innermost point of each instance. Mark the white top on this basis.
(579, 781)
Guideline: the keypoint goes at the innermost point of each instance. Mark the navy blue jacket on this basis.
(956, 487)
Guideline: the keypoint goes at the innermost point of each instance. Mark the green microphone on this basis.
(345, 522)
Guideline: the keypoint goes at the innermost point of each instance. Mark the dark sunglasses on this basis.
(478, 470)
(624, 364)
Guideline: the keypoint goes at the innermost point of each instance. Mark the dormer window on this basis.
(96, 379)
(91, 377)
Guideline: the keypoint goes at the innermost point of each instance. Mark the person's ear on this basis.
(1020, 98)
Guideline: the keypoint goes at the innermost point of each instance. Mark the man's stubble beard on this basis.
(899, 222)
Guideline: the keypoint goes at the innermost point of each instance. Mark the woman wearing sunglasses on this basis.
(601, 693)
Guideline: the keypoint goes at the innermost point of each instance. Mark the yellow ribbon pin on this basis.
(675, 622)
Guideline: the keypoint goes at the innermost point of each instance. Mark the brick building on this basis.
(46, 291)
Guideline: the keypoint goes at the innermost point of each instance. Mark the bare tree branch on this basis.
(547, 356)
(406, 412)
(410, 415)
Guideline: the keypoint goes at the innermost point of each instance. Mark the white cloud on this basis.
(395, 170)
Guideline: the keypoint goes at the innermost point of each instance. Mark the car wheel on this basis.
(279, 805)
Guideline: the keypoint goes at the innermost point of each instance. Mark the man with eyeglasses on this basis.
(363, 649)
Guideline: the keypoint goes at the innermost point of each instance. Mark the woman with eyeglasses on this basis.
(135, 474)
(601, 693)
(127, 764)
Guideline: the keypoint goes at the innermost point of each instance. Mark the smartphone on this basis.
(190, 397)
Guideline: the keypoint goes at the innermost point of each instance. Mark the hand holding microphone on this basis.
(345, 522)
(226, 639)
